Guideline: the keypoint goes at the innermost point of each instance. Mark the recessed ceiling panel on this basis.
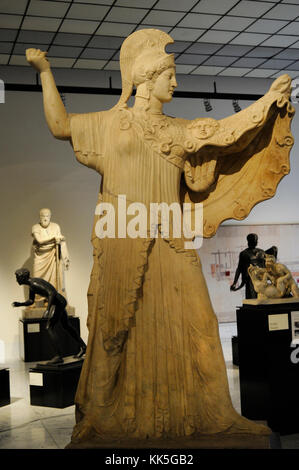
(126, 15)
(191, 59)
(281, 41)
(253, 9)
(77, 26)
(234, 72)
(229, 23)
(261, 73)
(39, 37)
(221, 61)
(185, 34)
(41, 23)
(47, 8)
(219, 37)
(234, 50)
(16, 7)
(250, 39)
(87, 12)
(92, 53)
(283, 12)
(207, 70)
(115, 29)
(69, 39)
(196, 20)
(262, 51)
(8, 34)
(184, 5)
(219, 7)
(10, 21)
(205, 48)
(89, 64)
(266, 26)
(163, 18)
(65, 51)
(249, 62)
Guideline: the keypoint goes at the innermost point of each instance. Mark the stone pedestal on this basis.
(55, 385)
(35, 344)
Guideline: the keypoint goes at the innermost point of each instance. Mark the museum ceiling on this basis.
(237, 38)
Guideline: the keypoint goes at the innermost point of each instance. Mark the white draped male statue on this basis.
(51, 256)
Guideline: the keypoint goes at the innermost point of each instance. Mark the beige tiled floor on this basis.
(23, 426)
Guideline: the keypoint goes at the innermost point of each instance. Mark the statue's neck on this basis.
(151, 105)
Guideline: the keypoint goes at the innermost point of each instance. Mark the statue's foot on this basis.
(55, 360)
(245, 426)
(81, 352)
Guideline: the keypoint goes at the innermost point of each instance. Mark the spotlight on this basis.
(207, 105)
(236, 106)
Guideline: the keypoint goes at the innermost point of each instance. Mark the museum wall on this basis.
(39, 171)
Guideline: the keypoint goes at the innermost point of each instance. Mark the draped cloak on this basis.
(154, 365)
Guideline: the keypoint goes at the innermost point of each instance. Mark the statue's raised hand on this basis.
(282, 85)
(37, 59)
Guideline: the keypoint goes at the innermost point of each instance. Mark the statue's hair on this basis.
(45, 209)
(252, 238)
(23, 273)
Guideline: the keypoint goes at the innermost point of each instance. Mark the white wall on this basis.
(39, 171)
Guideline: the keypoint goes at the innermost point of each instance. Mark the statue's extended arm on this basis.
(255, 115)
(28, 302)
(55, 112)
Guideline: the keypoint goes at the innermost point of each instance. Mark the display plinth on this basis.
(235, 351)
(269, 379)
(35, 344)
(55, 385)
(4, 387)
(37, 312)
(216, 441)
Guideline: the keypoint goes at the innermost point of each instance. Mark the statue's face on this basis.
(269, 262)
(45, 218)
(164, 85)
(20, 279)
(203, 128)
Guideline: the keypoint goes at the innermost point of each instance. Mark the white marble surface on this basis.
(23, 426)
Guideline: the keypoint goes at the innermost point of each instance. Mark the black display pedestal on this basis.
(269, 379)
(235, 350)
(55, 385)
(35, 344)
(4, 387)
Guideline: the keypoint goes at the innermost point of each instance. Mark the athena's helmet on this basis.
(143, 55)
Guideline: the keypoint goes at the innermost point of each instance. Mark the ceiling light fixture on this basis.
(236, 106)
(207, 105)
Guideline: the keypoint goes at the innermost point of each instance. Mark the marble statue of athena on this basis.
(154, 372)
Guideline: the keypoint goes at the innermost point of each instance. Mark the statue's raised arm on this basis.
(238, 161)
(55, 112)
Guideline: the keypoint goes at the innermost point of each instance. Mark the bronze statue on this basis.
(54, 313)
(250, 256)
(154, 367)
